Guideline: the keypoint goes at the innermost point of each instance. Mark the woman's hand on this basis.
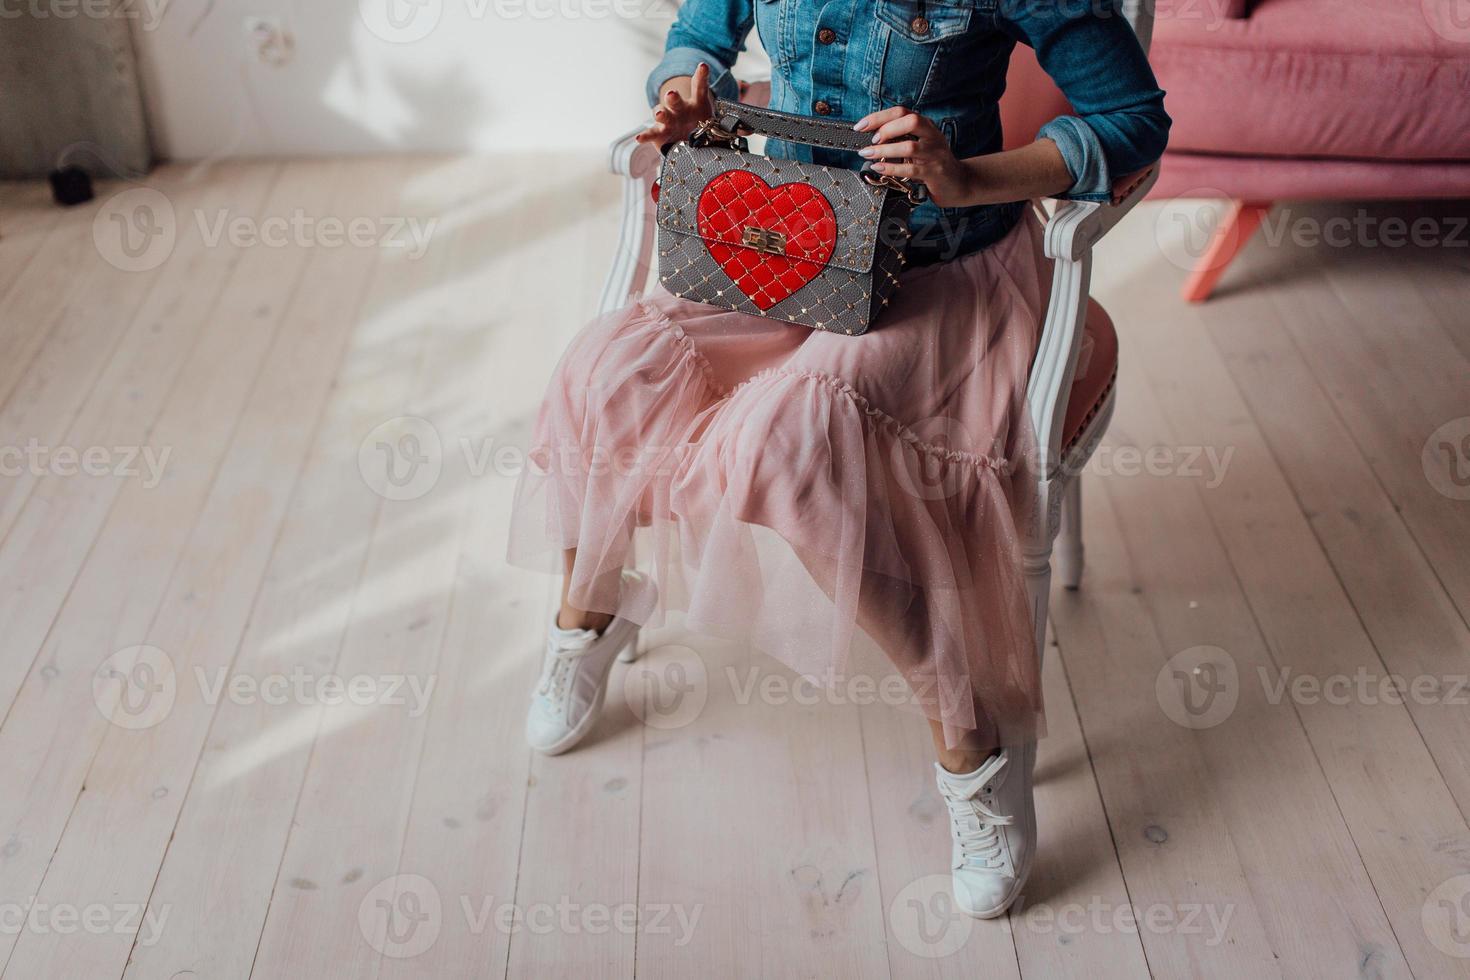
(684, 104)
(907, 144)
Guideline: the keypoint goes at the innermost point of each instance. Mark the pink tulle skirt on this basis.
(848, 505)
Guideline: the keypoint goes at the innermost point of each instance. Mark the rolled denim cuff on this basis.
(1083, 153)
(683, 61)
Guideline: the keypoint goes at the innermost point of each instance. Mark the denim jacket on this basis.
(947, 60)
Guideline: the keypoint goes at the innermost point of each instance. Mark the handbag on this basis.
(792, 241)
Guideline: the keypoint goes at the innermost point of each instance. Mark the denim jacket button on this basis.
(822, 108)
(920, 26)
(826, 35)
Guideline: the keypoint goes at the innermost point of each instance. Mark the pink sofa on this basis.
(1310, 99)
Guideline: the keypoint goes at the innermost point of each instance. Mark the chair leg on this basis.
(1236, 228)
(1069, 547)
(1038, 589)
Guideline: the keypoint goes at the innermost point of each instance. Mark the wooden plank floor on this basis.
(263, 667)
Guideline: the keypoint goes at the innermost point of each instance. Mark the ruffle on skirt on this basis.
(849, 506)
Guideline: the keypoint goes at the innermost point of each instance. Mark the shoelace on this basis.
(977, 828)
(558, 670)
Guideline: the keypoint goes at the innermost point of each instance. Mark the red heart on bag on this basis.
(770, 241)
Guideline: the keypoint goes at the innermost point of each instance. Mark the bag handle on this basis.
(735, 116)
(731, 118)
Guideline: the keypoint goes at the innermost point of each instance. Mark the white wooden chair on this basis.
(1067, 431)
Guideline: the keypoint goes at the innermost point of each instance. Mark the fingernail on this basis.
(858, 125)
(866, 151)
(875, 137)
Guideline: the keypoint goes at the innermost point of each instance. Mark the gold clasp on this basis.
(710, 133)
(764, 240)
(914, 192)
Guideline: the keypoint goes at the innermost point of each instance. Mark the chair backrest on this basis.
(1032, 99)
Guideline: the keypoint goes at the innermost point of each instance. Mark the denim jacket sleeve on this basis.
(1121, 126)
(712, 31)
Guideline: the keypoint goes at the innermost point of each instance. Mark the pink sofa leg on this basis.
(1236, 228)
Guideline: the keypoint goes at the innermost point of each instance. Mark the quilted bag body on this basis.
(798, 242)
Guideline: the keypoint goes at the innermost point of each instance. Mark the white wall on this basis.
(372, 76)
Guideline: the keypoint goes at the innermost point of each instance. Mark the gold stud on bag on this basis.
(796, 242)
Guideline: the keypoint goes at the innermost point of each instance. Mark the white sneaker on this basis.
(568, 698)
(992, 822)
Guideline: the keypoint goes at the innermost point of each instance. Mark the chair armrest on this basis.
(638, 165)
(1070, 234)
(628, 158)
(1077, 226)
